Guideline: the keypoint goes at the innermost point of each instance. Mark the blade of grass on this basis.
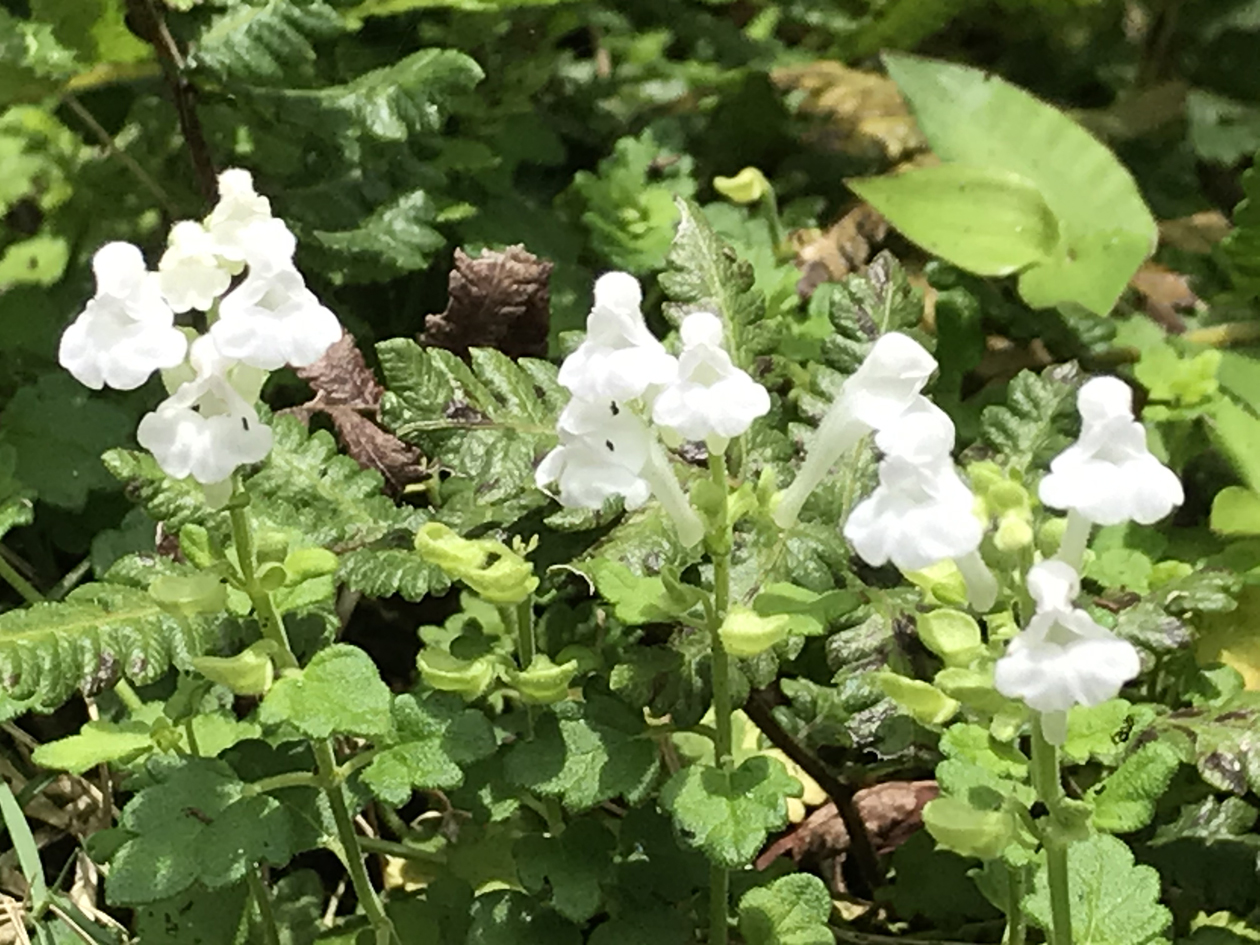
(24, 846)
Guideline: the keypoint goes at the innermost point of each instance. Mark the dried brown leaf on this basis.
(375, 448)
(865, 114)
(1197, 233)
(892, 812)
(1163, 293)
(497, 300)
(844, 248)
(342, 378)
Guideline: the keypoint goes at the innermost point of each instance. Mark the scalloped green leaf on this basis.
(793, 910)
(339, 691)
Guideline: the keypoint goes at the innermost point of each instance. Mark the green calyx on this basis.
(248, 673)
(544, 682)
(489, 567)
(747, 633)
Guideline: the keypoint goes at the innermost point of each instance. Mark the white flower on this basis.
(1109, 476)
(207, 428)
(272, 319)
(190, 272)
(879, 392)
(239, 206)
(923, 433)
(603, 449)
(712, 399)
(619, 359)
(127, 331)
(1063, 658)
(918, 515)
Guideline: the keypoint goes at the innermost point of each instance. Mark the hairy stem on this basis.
(269, 620)
(719, 542)
(267, 918)
(1049, 786)
(1016, 925)
(869, 876)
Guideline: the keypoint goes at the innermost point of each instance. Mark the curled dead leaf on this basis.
(1163, 293)
(845, 247)
(499, 299)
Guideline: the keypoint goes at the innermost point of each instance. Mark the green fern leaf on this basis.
(98, 634)
(1028, 430)
(488, 421)
(174, 502)
(1242, 246)
(267, 42)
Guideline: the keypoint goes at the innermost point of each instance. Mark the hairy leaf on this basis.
(1125, 800)
(436, 738)
(573, 864)
(396, 238)
(1219, 740)
(1028, 430)
(340, 691)
(585, 753)
(728, 814)
(202, 825)
(793, 910)
(865, 306)
(1114, 902)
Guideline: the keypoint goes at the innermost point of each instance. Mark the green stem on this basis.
(719, 542)
(271, 934)
(351, 850)
(128, 696)
(1016, 924)
(1049, 786)
(288, 779)
(19, 583)
(403, 850)
(269, 620)
(525, 631)
(272, 626)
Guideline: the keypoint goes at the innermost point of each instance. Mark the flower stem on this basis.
(1075, 538)
(835, 436)
(525, 631)
(128, 696)
(1049, 786)
(267, 918)
(719, 542)
(272, 625)
(18, 583)
(1016, 924)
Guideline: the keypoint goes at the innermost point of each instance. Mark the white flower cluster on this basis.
(208, 426)
(1108, 476)
(623, 380)
(921, 511)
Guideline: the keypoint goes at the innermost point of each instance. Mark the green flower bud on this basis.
(271, 545)
(1007, 496)
(957, 826)
(438, 544)
(188, 595)
(468, 678)
(271, 576)
(194, 542)
(952, 635)
(984, 475)
(1013, 532)
(747, 633)
(306, 563)
(248, 673)
(544, 682)
(1050, 536)
(748, 186)
(509, 580)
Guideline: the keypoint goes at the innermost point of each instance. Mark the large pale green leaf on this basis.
(990, 221)
(972, 117)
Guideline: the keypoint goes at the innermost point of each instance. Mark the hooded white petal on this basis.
(206, 429)
(603, 449)
(190, 272)
(272, 319)
(1109, 476)
(619, 359)
(238, 207)
(917, 516)
(1063, 658)
(126, 331)
(711, 398)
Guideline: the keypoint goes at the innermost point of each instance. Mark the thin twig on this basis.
(150, 24)
(131, 163)
(869, 876)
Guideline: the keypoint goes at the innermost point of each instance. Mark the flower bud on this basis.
(748, 186)
(188, 595)
(248, 673)
(544, 682)
(468, 678)
(957, 826)
(1050, 536)
(271, 545)
(1013, 532)
(306, 563)
(747, 633)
